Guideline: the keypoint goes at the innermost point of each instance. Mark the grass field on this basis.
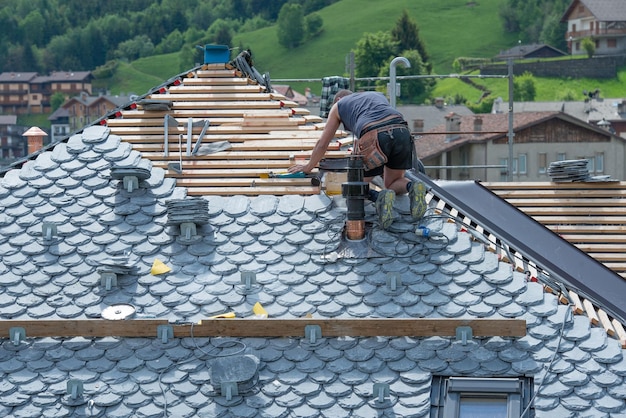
(449, 29)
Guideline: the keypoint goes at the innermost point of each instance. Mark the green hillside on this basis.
(449, 29)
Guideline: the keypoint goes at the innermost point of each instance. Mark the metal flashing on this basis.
(562, 260)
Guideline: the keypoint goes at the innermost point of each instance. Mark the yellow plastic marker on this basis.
(158, 267)
(224, 315)
(259, 311)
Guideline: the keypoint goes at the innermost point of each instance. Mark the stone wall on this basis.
(596, 67)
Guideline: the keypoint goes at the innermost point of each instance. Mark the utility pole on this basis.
(350, 65)
(510, 134)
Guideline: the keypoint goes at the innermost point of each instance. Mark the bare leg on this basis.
(395, 180)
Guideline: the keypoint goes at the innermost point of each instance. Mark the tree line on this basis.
(55, 35)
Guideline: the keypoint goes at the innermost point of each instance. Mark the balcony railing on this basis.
(596, 32)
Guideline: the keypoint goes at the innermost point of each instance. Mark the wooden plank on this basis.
(578, 306)
(591, 312)
(84, 328)
(293, 145)
(588, 229)
(553, 185)
(158, 157)
(233, 138)
(216, 97)
(581, 219)
(187, 180)
(253, 191)
(215, 81)
(571, 202)
(222, 173)
(576, 211)
(213, 130)
(235, 112)
(530, 193)
(188, 88)
(409, 327)
(606, 323)
(361, 327)
(619, 331)
(199, 105)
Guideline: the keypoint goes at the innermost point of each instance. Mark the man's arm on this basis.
(332, 124)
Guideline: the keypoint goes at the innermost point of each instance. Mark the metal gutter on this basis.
(562, 260)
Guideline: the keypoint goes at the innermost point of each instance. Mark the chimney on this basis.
(34, 137)
(621, 107)
(355, 191)
(478, 124)
(453, 125)
(439, 102)
(418, 125)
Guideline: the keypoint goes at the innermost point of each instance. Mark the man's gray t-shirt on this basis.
(360, 109)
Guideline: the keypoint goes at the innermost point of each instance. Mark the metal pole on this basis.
(392, 77)
(510, 134)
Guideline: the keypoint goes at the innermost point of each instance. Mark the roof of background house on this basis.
(589, 111)
(11, 77)
(63, 76)
(88, 99)
(61, 112)
(521, 51)
(431, 115)
(8, 119)
(493, 126)
(291, 94)
(602, 10)
(76, 239)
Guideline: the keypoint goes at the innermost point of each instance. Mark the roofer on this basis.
(385, 143)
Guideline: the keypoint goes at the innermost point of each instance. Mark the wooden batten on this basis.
(386, 327)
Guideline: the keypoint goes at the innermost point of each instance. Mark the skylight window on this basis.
(464, 397)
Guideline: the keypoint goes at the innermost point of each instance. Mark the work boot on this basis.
(417, 195)
(384, 207)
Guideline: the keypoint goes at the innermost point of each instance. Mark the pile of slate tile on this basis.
(141, 173)
(119, 265)
(569, 170)
(195, 210)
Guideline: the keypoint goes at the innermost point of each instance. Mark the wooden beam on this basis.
(388, 327)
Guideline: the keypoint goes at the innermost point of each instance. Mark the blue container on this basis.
(216, 54)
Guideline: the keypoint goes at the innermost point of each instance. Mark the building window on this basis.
(542, 162)
(521, 164)
(561, 156)
(600, 162)
(504, 169)
(611, 43)
(467, 397)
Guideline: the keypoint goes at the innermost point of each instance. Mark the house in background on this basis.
(604, 21)
(530, 51)
(609, 114)
(15, 92)
(423, 118)
(59, 124)
(154, 266)
(84, 108)
(478, 145)
(12, 144)
(291, 94)
(22, 93)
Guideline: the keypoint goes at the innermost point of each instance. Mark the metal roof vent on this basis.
(130, 176)
(187, 214)
(234, 375)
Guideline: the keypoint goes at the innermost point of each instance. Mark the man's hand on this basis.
(299, 168)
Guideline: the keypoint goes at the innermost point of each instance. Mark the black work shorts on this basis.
(396, 143)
